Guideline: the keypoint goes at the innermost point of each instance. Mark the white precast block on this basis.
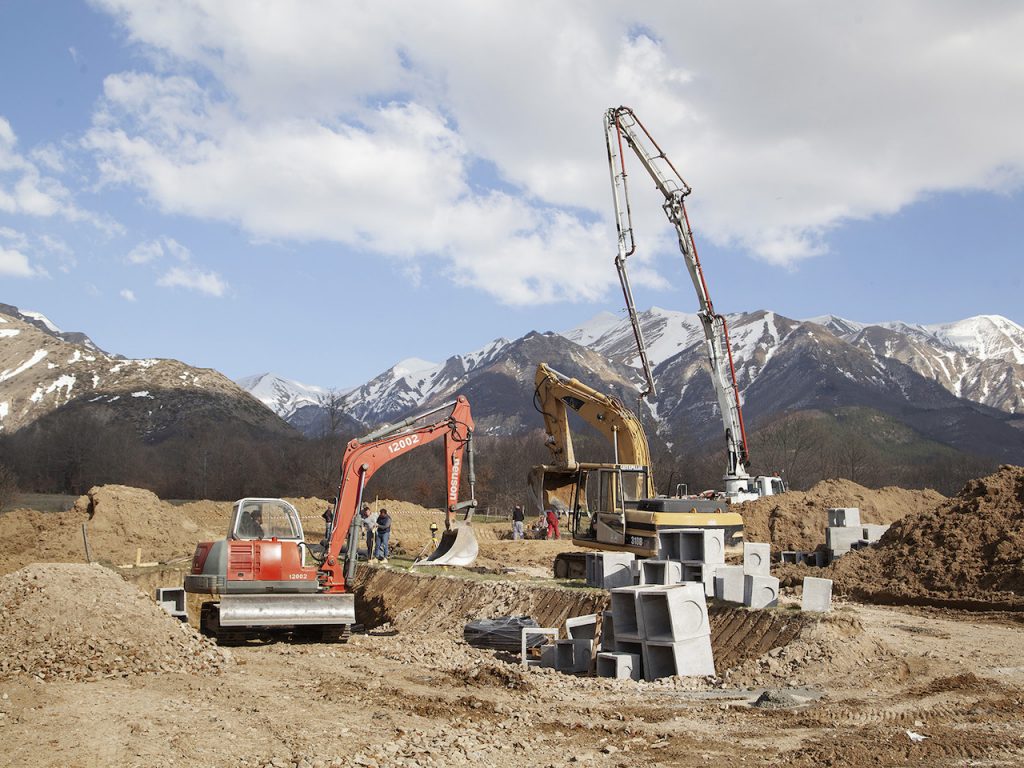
(817, 594)
(757, 559)
(591, 561)
(702, 545)
(686, 658)
(608, 632)
(844, 517)
(621, 666)
(729, 583)
(625, 614)
(616, 569)
(760, 591)
(659, 571)
(526, 632)
(582, 627)
(573, 656)
(674, 613)
(840, 539)
(873, 533)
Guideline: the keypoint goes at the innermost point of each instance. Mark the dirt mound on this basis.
(797, 519)
(968, 549)
(83, 622)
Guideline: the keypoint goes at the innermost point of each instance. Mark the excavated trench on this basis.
(425, 604)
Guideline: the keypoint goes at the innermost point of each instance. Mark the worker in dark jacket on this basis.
(517, 522)
(383, 535)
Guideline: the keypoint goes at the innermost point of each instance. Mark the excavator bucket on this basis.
(457, 547)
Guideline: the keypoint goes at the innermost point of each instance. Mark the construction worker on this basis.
(369, 522)
(517, 523)
(552, 520)
(383, 535)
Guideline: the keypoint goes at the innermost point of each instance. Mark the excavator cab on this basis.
(602, 495)
(258, 519)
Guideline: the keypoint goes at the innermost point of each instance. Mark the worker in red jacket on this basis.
(552, 518)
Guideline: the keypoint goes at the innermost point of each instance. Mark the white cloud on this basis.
(145, 252)
(389, 130)
(128, 294)
(194, 279)
(14, 263)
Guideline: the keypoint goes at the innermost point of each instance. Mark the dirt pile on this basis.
(84, 622)
(797, 519)
(970, 549)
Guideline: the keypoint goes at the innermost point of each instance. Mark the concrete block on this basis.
(704, 545)
(614, 569)
(659, 571)
(674, 613)
(729, 583)
(844, 517)
(822, 557)
(873, 533)
(840, 539)
(608, 632)
(621, 666)
(686, 658)
(573, 656)
(582, 627)
(172, 600)
(702, 573)
(527, 632)
(760, 591)
(547, 656)
(625, 615)
(591, 563)
(757, 559)
(817, 594)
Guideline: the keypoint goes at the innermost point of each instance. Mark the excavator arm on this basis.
(364, 456)
(555, 393)
(622, 126)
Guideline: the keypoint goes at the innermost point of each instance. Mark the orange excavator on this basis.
(267, 579)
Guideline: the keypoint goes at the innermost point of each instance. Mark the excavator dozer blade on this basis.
(457, 547)
(287, 610)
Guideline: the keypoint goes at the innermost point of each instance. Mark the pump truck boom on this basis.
(260, 573)
(622, 126)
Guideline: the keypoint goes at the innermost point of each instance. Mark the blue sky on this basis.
(321, 190)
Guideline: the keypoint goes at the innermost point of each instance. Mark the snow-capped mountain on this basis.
(41, 371)
(283, 396)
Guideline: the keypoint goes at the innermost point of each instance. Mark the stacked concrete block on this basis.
(840, 540)
(844, 517)
(547, 653)
(817, 594)
(621, 666)
(699, 545)
(582, 627)
(757, 559)
(628, 626)
(573, 656)
(659, 572)
(608, 642)
(729, 583)
(685, 658)
(760, 591)
(610, 570)
(872, 533)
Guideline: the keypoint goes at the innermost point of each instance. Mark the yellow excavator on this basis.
(611, 506)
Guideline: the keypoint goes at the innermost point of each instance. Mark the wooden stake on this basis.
(85, 538)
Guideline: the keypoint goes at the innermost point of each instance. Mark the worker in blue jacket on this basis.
(383, 535)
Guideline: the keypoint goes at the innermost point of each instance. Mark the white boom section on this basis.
(621, 124)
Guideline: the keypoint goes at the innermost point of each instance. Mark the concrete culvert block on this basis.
(526, 634)
(844, 517)
(660, 571)
(817, 594)
(686, 658)
(615, 569)
(729, 583)
(608, 632)
(760, 591)
(582, 627)
(621, 666)
(676, 613)
(873, 533)
(573, 656)
(757, 559)
(841, 539)
(702, 545)
(624, 614)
